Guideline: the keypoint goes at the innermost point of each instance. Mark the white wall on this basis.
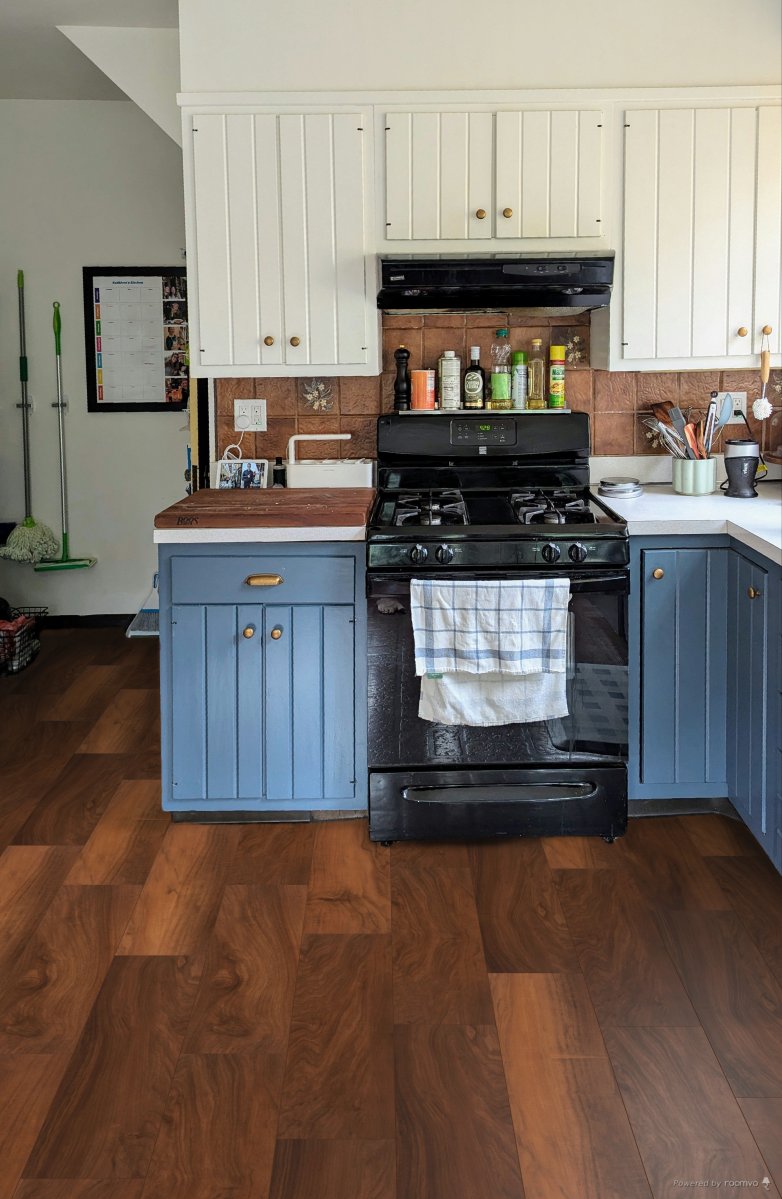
(311, 44)
(84, 183)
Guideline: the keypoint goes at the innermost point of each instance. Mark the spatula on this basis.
(680, 425)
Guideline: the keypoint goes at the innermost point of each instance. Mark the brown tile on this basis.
(359, 396)
(695, 387)
(578, 390)
(614, 392)
(575, 339)
(317, 396)
(274, 442)
(387, 391)
(645, 440)
(228, 390)
(280, 396)
(225, 433)
(613, 433)
(655, 387)
(772, 434)
(486, 320)
(521, 337)
(412, 339)
(437, 340)
(444, 320)
(523, 319)
(402, 321)
(319, 424)
(363, 436)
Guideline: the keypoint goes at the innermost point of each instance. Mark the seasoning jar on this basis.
(556, 386)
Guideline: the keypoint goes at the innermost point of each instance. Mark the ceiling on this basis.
(37, 62)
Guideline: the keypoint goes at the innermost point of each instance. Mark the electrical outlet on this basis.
(250, 416)
(739, 405)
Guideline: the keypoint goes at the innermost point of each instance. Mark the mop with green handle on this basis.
(29, 541)
(65, 561)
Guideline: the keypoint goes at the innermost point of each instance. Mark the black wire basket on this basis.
(19, 648)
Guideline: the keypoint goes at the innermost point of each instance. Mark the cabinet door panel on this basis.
(639, 312)
(243, 249)
(222, 669)
(321, 238)
(212, 236)
(743, 160)
(249, 703)
(188, 702)
(508, 172)
(339, 702)
(711, 224)
(590, 173)
(768, 286)
(674, 233)
(748, 720)
(307, 701)
(268, 224)
(349, 225)
(278, 701)
(294, 237)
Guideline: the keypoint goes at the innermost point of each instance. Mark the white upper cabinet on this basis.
(702, 220)
(278, 216)
(482, 175)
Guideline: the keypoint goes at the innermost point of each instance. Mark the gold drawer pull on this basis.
(295, 341)
(481, 214)
(276, 633)
(767, 330)
(268, 341)
(658, 572)
(507, 213)
(263, 580)
(249, 631)
(742, 332)
(753, 592)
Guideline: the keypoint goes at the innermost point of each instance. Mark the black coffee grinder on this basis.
(741, 463)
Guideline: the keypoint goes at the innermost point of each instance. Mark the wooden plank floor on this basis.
(290, 1012)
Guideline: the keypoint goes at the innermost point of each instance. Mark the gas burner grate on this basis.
(551, 508)
(431, 508)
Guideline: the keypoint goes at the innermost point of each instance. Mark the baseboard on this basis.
(681, 807)
(96, 620)
(285, 817)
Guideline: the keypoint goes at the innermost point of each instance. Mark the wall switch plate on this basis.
(739, 405)
(250, 416)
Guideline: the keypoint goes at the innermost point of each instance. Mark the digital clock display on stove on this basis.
(483, 432)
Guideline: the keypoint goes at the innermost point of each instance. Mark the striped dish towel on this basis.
(501, 627)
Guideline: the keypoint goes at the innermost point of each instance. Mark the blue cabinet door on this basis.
(748, 691)
(678, 679)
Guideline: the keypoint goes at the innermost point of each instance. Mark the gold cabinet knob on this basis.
(249, 631)
(658, 572)
(481, 214)
(507, 212)
(268, 341)
(295, 341)
(753, 592)
(743, 331)
(767, 330)
(276, 633)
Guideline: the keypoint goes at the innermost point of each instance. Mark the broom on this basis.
(29, 541)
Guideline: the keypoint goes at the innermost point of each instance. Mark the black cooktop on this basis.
(534, 511)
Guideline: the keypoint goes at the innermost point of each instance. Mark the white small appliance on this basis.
(327, 472)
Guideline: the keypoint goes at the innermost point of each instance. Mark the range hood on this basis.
(552, 284)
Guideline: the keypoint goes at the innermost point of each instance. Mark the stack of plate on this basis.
(620, 487)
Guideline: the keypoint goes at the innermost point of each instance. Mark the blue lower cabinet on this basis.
(678, 655)
(264, 703)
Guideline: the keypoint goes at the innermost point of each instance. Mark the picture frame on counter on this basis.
(136, 338)
(246, 474)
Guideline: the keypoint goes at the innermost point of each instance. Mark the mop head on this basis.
(30, 542)
(761, 408)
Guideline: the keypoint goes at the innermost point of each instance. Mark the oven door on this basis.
(595, 729)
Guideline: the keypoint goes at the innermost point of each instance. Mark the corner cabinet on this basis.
(279, 217)
(263, 678)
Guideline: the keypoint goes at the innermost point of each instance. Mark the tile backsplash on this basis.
(616, 401)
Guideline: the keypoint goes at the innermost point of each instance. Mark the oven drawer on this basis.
(262, 578)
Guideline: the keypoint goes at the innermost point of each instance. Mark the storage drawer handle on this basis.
(276, 633)
(249, 631)
(500, 793)
(264, 580)
(658, 573)
(753, 592)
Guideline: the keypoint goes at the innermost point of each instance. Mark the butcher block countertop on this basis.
(275, 514)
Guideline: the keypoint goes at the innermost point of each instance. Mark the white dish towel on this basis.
(491, 652)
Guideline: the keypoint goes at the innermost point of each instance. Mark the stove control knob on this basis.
(444, 553)
(577, 552)
(419, 553)
(551, 552)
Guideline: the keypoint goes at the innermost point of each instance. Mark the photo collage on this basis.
(175, 339)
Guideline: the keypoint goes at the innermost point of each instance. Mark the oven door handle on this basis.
(398, 583)
(499, 793)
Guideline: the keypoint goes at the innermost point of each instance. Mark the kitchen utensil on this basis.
(663, 411)
(679, 424)
(699, 438)
(761, 408)
(711, 420)
(742, 456)
(29, 541)
(65, 561)
(692, 440)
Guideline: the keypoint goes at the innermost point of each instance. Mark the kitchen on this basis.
(417, 1004)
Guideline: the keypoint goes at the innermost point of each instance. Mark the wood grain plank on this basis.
(30, 877)
(130, 722)
(427, 854)
(220, 1123)
(47, 991)
(125, 842)
(657, 853)
(180, 899)
(246, 996)
(302, 506)
(334, 1170)
(273, 853)
(70, 808)
(631, 978)
(439, 967)
(572, 1132)
(454, 1131)
(522, 925)
(755, 892)
(339, 1078)
(105, 1117)
(349, 886)
(687, 1123)
(578, 853)
(764, 1117)
(27, 1084)
(37, 760)
(719, 836)
(736, 997)
(51, 1188)
(87, 695)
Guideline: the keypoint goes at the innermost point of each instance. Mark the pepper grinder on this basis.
(402, 380)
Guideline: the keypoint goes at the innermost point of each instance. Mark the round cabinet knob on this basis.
(419, 553)
(743, 331)
(577, 552)
(507, 213)
(276, 633)
(295, 341)
(444, 553)
(658, 572)
(753, 592)
(551, 552)
(249, 631)
(767, 330)
(268, 341)
(481, 214)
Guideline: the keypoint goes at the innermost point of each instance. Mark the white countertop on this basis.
(661, 512)
(229, 535)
